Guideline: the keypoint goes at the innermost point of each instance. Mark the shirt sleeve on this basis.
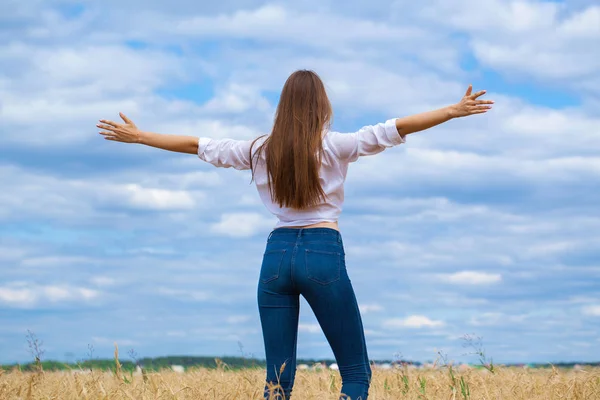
(225, 153)
(368, 141)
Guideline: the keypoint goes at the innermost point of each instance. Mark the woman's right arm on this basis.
(177, 143)
(129, 133)
(469, 105)
(224, 153)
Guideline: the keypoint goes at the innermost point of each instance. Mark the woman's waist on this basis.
(321, 224)
(316, 232)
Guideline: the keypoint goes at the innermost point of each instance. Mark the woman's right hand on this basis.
(469, 105)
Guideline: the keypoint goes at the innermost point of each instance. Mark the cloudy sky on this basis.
(488, 225)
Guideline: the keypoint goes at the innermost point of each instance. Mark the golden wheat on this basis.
(222, 384)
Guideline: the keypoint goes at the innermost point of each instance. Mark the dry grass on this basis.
(223, 384)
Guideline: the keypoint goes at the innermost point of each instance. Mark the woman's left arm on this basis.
(129, 133)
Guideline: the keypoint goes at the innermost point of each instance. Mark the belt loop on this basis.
(300, 232)
(270, 234)
(339, 237)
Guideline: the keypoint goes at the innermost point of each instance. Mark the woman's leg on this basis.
(279, 307)
(328, 290)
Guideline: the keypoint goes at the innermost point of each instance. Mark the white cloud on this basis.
(103, 281)
(553, 247)
(389, 343)
(185, 295)
(277, 23)
(250, 200)
(413, 321)
(111, 342)
(238, 98)
(241, 225)
(442, 297)
(519, 36)
(24, 294)
(310, 328)
(11, 253)
(592, 310)
(86, 68)
(178, 334)
(208, 127)
(582, 299)
(238, 319)
(17, 296)
(584, 24)
(509, 16)
(471, 278)
(497, 318)
(157, 199)
(75, 87)
(48, 261)
(433, 166)
(374, 333)
(370, 308)
(73, 197)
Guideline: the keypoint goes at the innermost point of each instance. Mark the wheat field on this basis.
(222, 384)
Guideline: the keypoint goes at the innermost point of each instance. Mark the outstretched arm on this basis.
(178, 143)
(469, 105)
(374, 139)
(129, 133)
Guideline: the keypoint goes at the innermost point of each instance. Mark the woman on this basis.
(299, 171)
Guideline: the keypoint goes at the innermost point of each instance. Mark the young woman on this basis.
(299, 170)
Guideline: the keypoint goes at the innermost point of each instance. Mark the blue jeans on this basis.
(310, 262)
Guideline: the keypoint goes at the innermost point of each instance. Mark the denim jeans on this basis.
(310, 262)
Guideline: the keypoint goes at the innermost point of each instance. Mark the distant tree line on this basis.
(234, 363)
(153, 364)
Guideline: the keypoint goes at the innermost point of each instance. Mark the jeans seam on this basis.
(292, 262)
(293, 373)
(363, 344)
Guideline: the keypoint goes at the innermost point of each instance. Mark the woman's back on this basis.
(339, 149)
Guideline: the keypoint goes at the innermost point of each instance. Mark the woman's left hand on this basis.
(126, 133)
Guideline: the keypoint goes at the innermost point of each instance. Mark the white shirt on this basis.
(339, 149)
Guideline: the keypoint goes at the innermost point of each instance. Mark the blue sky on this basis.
(486, 226)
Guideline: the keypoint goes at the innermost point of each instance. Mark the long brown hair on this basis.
(294, 149)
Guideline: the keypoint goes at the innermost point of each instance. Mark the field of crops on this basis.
(223, 384)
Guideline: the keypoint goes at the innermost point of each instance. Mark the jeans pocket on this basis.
(322, 266)
(271, 264)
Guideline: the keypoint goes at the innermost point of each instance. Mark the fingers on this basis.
(478, 94)
(107, 134)
(478, 107)
(469, 105)
(124, 118)
(469, 90)
(113, 124)
(107, 127)
(478, 104)
(479, 110)
(110, 136)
